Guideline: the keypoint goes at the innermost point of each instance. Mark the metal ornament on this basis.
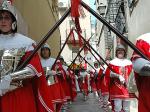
(51, 79)
(9, 60)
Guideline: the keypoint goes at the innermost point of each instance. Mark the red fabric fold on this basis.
(11, 1)
(33, 96)
(75, 4)
(75, 8)
(72, 37)
(44, 100)
(79, 31)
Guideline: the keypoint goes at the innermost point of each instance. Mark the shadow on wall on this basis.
(22, 25)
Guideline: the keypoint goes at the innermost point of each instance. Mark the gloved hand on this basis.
(5, 84)
(76, 77)
(113, 74)
(145, 71)
(67, 73)
(96, 73)
(1, 93)
(52, 72)
(59, 73)
(121, 78)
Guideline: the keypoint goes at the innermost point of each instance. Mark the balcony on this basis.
(74, 38)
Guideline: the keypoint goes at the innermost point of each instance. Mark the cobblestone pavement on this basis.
(91, 105)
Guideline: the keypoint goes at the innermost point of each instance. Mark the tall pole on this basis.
(77, 55)
(62, 49)
(87, 62)
(96, 59)
(80, 50)
(97, 53)
(46, 37)
(86, 43)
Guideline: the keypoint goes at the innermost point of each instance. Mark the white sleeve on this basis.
(138, 64)
(5, 84)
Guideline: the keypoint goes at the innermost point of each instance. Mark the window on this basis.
(132, 4)
(120, 19)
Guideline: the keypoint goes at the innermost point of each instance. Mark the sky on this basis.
(92, 2)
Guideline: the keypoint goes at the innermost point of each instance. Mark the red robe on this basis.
(99, 80)
(33, 96)
(143, 82)
(72, 85)
(105, 85)
(59, 93)
(63, 81)
(83, 84)
(64, 88)
(121, 67)
(92, 81)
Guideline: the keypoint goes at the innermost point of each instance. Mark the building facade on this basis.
(138, 18)
(131, 19)
(113, 11)
(36, 18)
(70, 51)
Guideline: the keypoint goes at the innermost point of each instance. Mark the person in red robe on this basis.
(83, 82)
(55, 87)
(104, 87)
(142, 72)
(72, 84)
(92, 82)
(118, 79)
(99, 85)
(93, 78)
(25, 90)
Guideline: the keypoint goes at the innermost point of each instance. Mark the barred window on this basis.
(132, 4)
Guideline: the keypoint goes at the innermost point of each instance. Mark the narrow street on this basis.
(91, 105)
(93, 52)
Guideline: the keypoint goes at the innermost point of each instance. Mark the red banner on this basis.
(75, 8)
(78, 30)
(11, 1)
(75, 4)
(72, 37)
